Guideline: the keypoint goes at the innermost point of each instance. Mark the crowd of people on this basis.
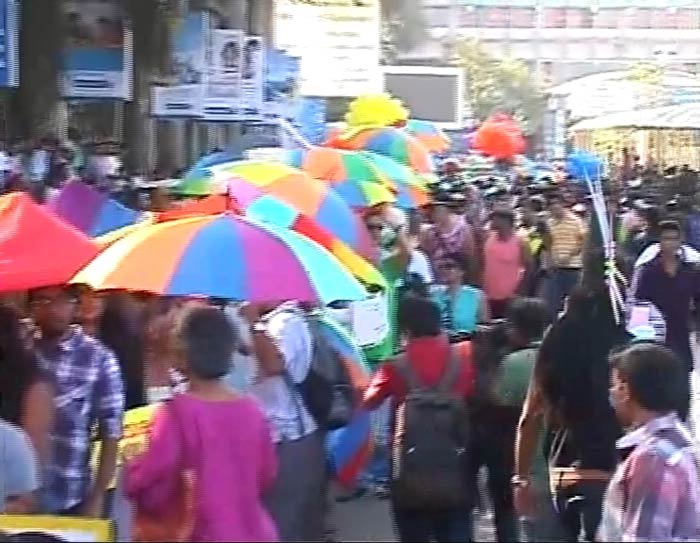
(503, 358)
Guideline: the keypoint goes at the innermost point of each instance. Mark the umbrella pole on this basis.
(285, 125)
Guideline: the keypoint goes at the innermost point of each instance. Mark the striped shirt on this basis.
(655, 492)
(567, 241)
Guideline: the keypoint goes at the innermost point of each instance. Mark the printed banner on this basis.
(9, 45)
(340, 57)
(185, 97)
(97, 58)
(137, 423)
(253, 74)
(54, 528)
(281, 85)
(223, 96)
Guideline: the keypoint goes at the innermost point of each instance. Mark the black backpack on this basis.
(326, 390)
(429, 449)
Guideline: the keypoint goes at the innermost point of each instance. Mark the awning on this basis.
(676, 117)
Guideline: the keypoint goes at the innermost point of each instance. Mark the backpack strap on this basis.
(403, 366)
(451, 372)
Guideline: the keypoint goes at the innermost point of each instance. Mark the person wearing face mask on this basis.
(654, 494)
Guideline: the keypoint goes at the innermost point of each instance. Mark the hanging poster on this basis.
(252, 78)
(60, 529)
(9, 58)
(281, 85)
(97, 56)
(222, 98)
(185, 97)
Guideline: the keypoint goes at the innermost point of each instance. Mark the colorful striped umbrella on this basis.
(108, 239)
(198, 181)
(91, 211)
(222, 256)
(37, 249)
(246, 181)
(429, 134)
(391, 142)
(349, 448)
(350, 171)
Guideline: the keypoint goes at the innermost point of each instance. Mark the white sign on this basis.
(340, 56)
(252, 74)
(370, 320)
(223, 96)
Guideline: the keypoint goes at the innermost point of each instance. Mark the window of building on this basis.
(665, 18)
(554, 17)
(522, 17)
(579, 18)
(607, 18)
(493, 17)
(687, 18)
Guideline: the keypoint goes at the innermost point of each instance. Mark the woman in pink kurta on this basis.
(218, 436)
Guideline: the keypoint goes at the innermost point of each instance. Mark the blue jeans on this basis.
(439, 526)
(377, 471)
(561, 282)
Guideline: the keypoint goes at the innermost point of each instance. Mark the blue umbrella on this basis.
(582, 165)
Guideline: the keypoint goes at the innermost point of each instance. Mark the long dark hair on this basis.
(18, 365)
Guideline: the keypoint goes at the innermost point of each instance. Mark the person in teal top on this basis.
(462, 307)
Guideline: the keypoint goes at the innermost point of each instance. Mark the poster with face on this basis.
(252, 78)
(223, 96)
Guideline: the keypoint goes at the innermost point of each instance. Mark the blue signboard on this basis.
(9, 45)
(311, 119)
(97, 57)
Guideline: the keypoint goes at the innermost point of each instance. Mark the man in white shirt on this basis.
(283, 347)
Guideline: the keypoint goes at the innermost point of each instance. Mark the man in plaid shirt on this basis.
(655, 492)
(87, 389)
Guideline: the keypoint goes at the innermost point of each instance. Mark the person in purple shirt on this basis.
(670, 284)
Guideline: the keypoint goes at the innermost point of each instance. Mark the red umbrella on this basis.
(37, 249)
(499, 137)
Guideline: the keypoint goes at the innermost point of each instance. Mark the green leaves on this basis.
(501, 84)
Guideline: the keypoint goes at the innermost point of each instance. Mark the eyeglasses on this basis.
(48, 302)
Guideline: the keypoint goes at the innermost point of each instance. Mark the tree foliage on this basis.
(505, 84)
(648, 78)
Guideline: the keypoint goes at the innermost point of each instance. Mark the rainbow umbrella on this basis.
(349, 171)
(91, 211)
(105, 240)
(393, 143)
(222, 256)
(246, 181)
(429, 134)
(348, 448)
(198, 181)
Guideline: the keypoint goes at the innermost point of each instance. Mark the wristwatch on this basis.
(518, 481)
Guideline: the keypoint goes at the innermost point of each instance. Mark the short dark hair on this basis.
(208, 338)
(419, 316)
(656, 378)
(529, 317)
(505, 214)
(670, 226)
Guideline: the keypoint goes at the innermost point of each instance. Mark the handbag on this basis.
(176, 518)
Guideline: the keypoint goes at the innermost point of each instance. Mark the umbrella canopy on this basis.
(222, 256)
(393, 143)
(429, 134)
(246, 181)
(198, 180)
(349, 173)
(106, 240)
(90, 210)
(584, 165)
(37, 249)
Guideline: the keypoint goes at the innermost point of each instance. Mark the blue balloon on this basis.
(582, 165)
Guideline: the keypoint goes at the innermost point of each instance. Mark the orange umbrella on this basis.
(37, 249)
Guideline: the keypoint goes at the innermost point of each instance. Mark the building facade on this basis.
(566, 39)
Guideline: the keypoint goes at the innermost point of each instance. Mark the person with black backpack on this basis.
(428, 385)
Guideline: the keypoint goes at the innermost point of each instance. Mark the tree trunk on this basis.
(39, 107)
